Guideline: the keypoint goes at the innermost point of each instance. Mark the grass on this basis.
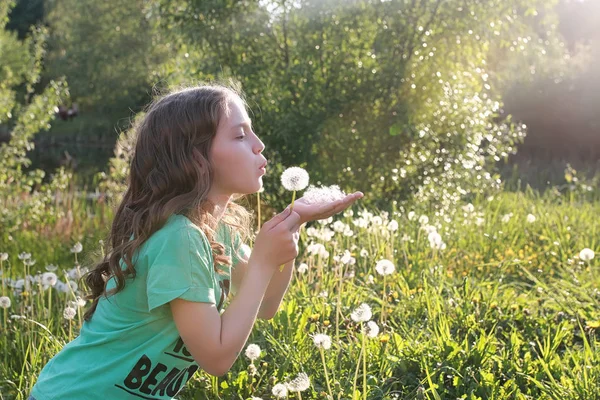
(507, 310)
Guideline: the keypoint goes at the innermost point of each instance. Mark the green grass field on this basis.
(498, 300)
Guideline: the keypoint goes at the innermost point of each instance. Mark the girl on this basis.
(176, 251)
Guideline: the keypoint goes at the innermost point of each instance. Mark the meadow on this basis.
(498, 298)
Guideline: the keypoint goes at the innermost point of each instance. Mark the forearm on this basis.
(277, 288)
(238, 319)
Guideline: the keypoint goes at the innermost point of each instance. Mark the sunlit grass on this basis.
(505, 308)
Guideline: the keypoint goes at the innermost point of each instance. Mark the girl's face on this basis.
(236, 153)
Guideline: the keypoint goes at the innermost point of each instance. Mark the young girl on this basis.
(175, 246)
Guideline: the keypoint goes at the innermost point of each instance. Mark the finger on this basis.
(292, 222)
(276, 220)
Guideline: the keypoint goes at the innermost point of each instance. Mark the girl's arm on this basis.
(215, 341)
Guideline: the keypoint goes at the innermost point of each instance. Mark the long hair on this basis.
(170, 173)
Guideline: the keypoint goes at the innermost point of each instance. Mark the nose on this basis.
(260, 146)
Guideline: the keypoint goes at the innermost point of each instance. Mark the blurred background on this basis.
(454, 96)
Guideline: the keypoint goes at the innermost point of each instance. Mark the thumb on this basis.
(278, 218)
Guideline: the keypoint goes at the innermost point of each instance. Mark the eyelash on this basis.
(241, 137)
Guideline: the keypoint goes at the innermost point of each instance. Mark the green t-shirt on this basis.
(131, 347)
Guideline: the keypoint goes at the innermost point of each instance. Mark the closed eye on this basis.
(241, 137)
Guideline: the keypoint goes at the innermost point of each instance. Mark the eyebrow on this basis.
(247, 122)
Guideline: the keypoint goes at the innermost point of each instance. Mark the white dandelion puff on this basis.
(51, 267)
(300, 383)
(385, 267)
(294, 178)
(322, 341)
(69, 313)
(3, 256)
(392, 225)
(530, 218)
(4, 302)
(279, 390)
(302, 268)
(24, 256)
(362, 313)
(323, 194)
(253, 351)
(586, 254)
(372, 329)
(77, 248)
(49, 278)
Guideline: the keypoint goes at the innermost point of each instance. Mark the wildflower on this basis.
(300, 383)
(385, 267)
(364, 253)
(294, 178)
(76, 248)
(79, 302)
(322, 341)
(435, 241)
(49, 279)
(393, 225)
(4, 302)
(302, 268)
(362, 313)
(51, 267)
(411, 215)
(69, 313)
(507, 217)
(370, 279)
(372, 329)
(423, 219)
(280, 390)
(3, 256)
(530, 218)
(586, 254)
(347, 258)
(253, 352)
(24, 256)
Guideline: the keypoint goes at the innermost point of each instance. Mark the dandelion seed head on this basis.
(77, 248)
(24, 256)
(279, 390)
(302, 268)
(69, 313)
(300, 383)
(385, 267)
(372, 329)
(586, 254)
(294, 178)
(3, 256)
(253, 351)
(362, 313)
(5, 302)
(322, 341)
(49, 278)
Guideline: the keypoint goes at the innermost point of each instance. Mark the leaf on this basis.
(395, 130)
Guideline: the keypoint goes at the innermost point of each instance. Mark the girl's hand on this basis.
(312, 212)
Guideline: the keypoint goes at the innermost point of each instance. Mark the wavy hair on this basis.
(170, 173)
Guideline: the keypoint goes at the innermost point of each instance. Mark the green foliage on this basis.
(393, 98)
(23, 198)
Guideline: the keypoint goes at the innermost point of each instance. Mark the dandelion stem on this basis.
(325, 368)
(258, 208)
(364, 363)
(291, 209)
(356, 372)
(382, 319)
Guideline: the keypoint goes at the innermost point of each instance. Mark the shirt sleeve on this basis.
(181, 268)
